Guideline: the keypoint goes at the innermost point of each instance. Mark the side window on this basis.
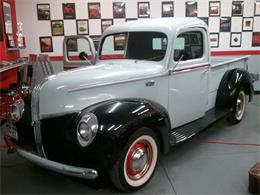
(188, 46)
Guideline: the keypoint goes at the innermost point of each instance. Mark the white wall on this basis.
(33, 29)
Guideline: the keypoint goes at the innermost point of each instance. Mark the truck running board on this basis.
(184, 132)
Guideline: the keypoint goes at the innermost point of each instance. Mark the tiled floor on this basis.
(216, 161)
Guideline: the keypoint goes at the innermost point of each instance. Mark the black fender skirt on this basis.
(118, 119)
(231, 82)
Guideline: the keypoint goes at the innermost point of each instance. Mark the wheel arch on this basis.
(230, 83)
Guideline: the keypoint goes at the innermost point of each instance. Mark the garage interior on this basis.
(215, 161)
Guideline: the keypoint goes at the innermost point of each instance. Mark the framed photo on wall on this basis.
(72, 45)
(105, 23)
(119, 9)
(43, 11)
(237, 8)
(257, 8)
(69, 11)
(248, 23)
(57, 27)
(256, 39)
(143, 9)
(214, 8)
(167, 9)
(46, 44)
(225, 24)
(235, 39)
(82, 27)
(214, 40)
(94, 11)
(191, 8)
(119, 42)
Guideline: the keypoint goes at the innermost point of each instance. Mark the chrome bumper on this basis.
(79, 172)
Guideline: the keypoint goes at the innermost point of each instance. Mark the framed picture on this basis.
(46, 44)
(191, 9)
(43, 11)
(167, 9)
(205, 19)
(105, 23)
(237, 8)
(69, 11)
(143, 9)
(257, 8)
(119, 9)
(214, 40)
(119, 42)
(225, 24)
(57, 27)
(248, 23)
(82, 27)
(256, 39)
(72, 45)
(96, 40)
(214, 8)
(235, 39)
(94, 11)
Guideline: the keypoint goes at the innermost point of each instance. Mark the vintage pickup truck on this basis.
(152, 84)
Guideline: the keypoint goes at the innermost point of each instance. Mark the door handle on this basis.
(150, 83)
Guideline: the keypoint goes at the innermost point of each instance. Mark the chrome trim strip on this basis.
(80, 172)
(186, 69)
(117, 82)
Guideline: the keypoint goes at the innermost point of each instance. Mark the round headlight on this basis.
(87, 129)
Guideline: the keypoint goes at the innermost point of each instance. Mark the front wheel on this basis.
(137, 162)
(239, 108)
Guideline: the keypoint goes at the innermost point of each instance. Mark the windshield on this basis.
(134, 45)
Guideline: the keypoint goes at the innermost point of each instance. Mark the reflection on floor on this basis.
(216, 161)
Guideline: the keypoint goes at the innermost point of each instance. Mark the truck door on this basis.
(188, 81)
(78, 51)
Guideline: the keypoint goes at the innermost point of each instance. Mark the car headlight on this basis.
(17, 110)
(87, 129)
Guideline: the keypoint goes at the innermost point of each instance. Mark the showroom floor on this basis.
(216, 161)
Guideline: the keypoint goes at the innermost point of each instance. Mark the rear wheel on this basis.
(239, 108)
(137, 162)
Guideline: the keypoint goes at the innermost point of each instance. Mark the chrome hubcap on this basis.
(240, 105)
(139, 159)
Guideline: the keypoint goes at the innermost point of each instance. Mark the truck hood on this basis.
(104, 73)
(74, 90)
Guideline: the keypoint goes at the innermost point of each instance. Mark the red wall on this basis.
(4, 54)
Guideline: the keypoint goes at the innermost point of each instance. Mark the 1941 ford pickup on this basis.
(152, 84)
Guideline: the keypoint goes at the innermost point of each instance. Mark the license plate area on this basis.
(12, 131)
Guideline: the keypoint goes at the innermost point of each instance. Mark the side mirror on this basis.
(78, 51)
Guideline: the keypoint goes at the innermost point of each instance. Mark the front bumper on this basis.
(80, 172)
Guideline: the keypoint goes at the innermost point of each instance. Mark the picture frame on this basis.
(257, 8)
(119, 9)
(214, 40)
(119, 42)
(69, 11)
(143, 9)
(46, 44)
(256, 39)
(191, 8)
(57, 27)
(94, 11)
(43, 11)
(96, 40)
(205, 19)
(248, 24)
(225, 24)
(105, 23)
(214, 8)
(82, 27)
(167, 9)
(235, 39)
(72, 44)
(237, 8)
